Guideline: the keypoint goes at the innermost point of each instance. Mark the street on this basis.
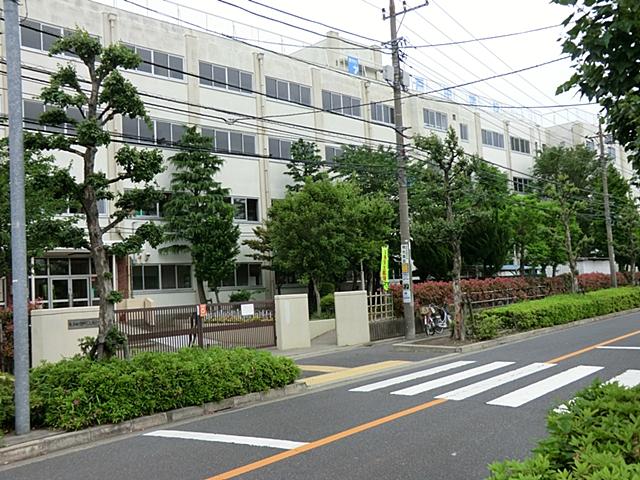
(436, 419)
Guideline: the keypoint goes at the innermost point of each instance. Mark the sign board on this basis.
(202, 309)
(80, 323)
(246, 310)
(384, 268)
(405, 257)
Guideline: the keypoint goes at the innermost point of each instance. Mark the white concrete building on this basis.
(254, 103)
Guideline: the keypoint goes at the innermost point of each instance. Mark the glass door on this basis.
(60, 292)
(80, 292)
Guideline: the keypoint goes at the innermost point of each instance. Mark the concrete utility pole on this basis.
(607, 210)
(405, 236)
(18, 234)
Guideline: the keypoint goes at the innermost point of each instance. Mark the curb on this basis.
(61, 441)
(413, 346)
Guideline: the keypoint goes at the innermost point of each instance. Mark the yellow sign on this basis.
(384, 268)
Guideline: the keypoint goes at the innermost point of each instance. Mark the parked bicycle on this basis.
(434, 319)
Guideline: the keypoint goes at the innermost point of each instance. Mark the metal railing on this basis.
(494, 298)
(167, 329)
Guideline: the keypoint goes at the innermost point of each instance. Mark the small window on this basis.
(32, 112)
(434, 119)
(176, 67)
(206, 74)
(136, 278)
(49, 36)
(492, 139)
(30, 35)
(183, 273)
(246, 82)
(464, 131)
(145, 55)
(520, 145)
(168, 277)
(219, 77)
(233, 79)
(330, 153)
(272, 88)
(151, 277)
(521, 185)
(252, 209)
(222, 141)
(161, 64)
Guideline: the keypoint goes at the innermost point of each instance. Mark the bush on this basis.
(328, 304)
(554, 310)
(6, 402)
(78, 393)
(598, 438)
(241, 296)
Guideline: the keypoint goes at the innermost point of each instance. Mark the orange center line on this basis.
(380, 421)
(325, 441)
(592, 347)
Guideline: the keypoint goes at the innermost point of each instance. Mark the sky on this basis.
(438, 22)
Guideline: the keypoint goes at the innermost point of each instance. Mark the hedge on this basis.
(79, 393)
(441, 293)
(553, 310)
(598, 438)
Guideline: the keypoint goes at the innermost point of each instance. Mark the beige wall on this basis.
(352, 320)
(319, 327)
(292, 321)
(51, 338)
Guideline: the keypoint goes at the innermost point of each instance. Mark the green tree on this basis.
(47, 196)
(372, 169)
(627, 240)
(451, 196)
(306, 163)
(107, 95)
(198, 220)
(602, 42)
(558, 172)
(527, 219)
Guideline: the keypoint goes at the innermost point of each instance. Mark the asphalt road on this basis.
(392, 430)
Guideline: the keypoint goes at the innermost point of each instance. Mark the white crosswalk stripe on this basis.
(410, 376)
(493, 382)
(627, 379)
(526, 394)
(456, 377)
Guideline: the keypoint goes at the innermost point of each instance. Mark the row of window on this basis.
(344, 104)
(232, 79)
(173, 277)
(288, 91)
(245, 209)
(521, 184)
(159, 63)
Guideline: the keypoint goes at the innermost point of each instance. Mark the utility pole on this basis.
(405, 236)
(607, 210)
(18, 234)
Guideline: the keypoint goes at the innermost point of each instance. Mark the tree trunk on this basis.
(573, 268)
(521, 266)
(316, 291)
(633, 270)
(217, 294)
(202, 296)
(458, 320)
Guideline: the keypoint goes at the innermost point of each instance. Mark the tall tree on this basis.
(627, 239)
(602, 42)
(560, 179)
(198, 220)
(107, 95)
(305, 163)
(372, 169)
(527, 219)
(47, 195)
(452, 197)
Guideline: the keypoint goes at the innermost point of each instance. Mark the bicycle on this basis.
(434, 319)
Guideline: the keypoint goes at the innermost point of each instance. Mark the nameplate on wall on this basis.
(80, 323)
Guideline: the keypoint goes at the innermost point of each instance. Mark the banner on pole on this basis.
(384, 268)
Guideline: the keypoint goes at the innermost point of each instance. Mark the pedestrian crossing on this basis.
(466, 370)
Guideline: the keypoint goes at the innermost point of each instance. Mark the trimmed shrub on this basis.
(554, 310)
(240, 296)
(6, 402)
(78, 393)
(598, 438)
(328, 304)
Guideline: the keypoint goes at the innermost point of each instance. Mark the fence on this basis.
(382, 321)
(493, 298)
(167, 329)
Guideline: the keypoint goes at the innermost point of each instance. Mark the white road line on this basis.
(493, 382)
(607, 347)
(410, 376)
(627, 379)
(440, 382)
(236, 439)
(535, 390)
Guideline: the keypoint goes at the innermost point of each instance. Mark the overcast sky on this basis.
(440, 21)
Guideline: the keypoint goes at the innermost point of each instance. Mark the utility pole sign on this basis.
(405, 259)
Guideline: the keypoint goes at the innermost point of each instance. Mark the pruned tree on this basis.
(305, 163)
(97, 97)
(452, 193)
(198, 220)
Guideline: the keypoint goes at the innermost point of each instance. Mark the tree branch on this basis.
(115, 179)
(111, 225)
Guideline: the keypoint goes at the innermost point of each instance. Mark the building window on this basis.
(159, 63)
(245, 209)
(521, 185)
(288, 91)
(492, 139)
(160, 133)
(520, 145)
(156, 210)
(330, 153)
(382, 113)
(161, 277)
(464, 131)
(231, 142)
(434, 119)
(228, 78)
(245, 275)
(41, 36)
(64, 282)
(345, 104)
(590, 144)
(33, 109)
(279, 149)
(611, 152)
